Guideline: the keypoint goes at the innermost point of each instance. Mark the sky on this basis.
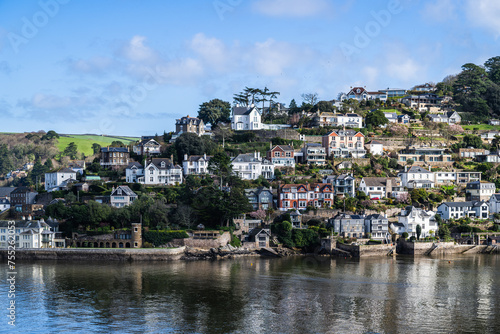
(123, 67)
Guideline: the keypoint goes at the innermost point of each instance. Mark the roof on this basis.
(125, 189)
(62, 170)
(133, 164)
(378, 181)
(308, 187)
(187, 119)
(146, 141)
(246, 157)
(418, 169)
(343, 215)
(157, 162)
(114, 149)
(256, 231)
(463, 204)
(376, 216)
(375, 142)
(4, 201)
(243, 110)
(5, 191)
(283, 147)
(347, 132)
(194, 158)
(25, 224)
(20, 190)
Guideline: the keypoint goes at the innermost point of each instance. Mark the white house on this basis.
(250, 166)
(59, 179)
(161, 171)
(147, 147)
(4, 204)
(314, 153)
(27, 234)
(450, 117)
(411, 216)
(378, 226)
(375, 147)
(122, 196)
(457, 210)
(490, 135)
(195, 164)
(246, 118)
(479, 191)
(494, 203)
(133, 172)
(417, 177)
(381, 187)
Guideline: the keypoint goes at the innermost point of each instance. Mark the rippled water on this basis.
(253, 295)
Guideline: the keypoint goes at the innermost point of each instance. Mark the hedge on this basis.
(158, 238)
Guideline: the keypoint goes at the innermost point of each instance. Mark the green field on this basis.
(84, 142)
(391, 110)
(481, 127)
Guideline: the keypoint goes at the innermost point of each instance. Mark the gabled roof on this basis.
(125, 189)
(246, 157)
(4, 201)
(194, 158)
(418, 169)
(161, 163)
(147, 141)
(5, 191)
(378, 181)
(134, 164)
(243, 110)
(374, 142)
(62, 170)
(256, 231)
(463, 204)
(282, 147)
(187, 119)
(22, 190)
(343, 215)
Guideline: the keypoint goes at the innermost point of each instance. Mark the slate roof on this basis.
(25, 224)
(342, 215)
(132, 164)
(126, 190)
(4, 201)
(5, 191)
(418, 169)
(246, 157)
(243, 110)
(157, 162)
(114, 149)
(187, 119)
(463, 204)
(376, 216)
(378, 181)
(194, 158)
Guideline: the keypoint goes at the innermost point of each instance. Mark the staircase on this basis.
(434, 246)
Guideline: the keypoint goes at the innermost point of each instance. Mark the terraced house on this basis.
(114, 157)
(344, 144)
(282, 156)
(300, 196)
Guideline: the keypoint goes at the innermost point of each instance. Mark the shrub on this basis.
(235, 242)
(159, 238)
(412, 238)
(404, 235)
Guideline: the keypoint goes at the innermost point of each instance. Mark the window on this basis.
(151, 179)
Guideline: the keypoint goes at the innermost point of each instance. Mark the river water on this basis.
(455, 294)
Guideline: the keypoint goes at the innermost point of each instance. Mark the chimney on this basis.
(23, 218)
(185, 157)
(406, 169)
(29, 217)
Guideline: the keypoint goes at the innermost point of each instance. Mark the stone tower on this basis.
(136, 235)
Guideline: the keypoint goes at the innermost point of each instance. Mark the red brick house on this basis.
(300, 196)
(282, 156)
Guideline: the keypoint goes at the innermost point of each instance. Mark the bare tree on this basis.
(310, 98)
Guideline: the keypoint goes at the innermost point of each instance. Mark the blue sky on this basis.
(132, 67)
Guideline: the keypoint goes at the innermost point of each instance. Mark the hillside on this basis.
(84, 142)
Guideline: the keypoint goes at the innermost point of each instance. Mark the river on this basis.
(450, 294)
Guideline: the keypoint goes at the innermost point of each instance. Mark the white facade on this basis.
(246, 118)
(162, 172)
(458, 210)
(134, 172)
(250, 166)
(375, 147)
(195, 164)
(494, 203)
(27, 234)
(59, 179)
(122, 196)
(411, 216)
(417, 177)
(4, 204)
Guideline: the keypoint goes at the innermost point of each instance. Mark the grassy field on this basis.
(391, 110)
(481, 127)
(84, 142)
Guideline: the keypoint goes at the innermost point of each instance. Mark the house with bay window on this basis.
(344, 144)
(300, 196)
(246, 118)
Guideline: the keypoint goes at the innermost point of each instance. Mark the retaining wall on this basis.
(97, 254)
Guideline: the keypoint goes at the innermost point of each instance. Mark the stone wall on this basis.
(264, 135)
(367, 250)
(421, 248)
(220, 241)
(97, 254)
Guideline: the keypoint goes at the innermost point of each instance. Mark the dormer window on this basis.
(162, 164)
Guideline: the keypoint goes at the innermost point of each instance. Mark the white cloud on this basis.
(135, 50)
(291, 8)
(370, 73)
(485, 13)
(211, 50)
(439, 10)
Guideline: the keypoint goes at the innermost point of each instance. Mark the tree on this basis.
(50, 135)
(470, 140)
(410, 162)
(48, 164)
(310, 98)
(398, 130)
(185, 216)
(6, 163)
(71, 150)
(214, 111)
(492, 66)
(96, 148)
(223, 133)
(376, 118)
(419, 231)
(191, 144)
(117, 143)
(324, 106)
(220, 165)
(444, 231)
(293, 108)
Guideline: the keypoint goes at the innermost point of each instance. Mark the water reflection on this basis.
(252, 295)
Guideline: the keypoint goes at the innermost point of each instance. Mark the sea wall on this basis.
(366, 250)
(423, 248)
(169, 254)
